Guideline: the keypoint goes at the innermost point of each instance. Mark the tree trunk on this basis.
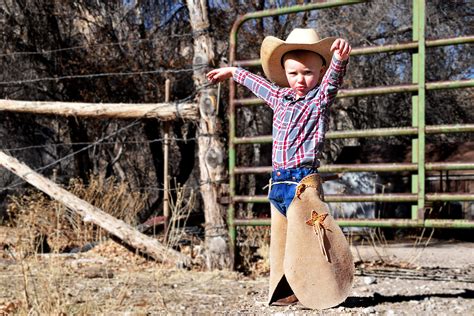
(211, 150)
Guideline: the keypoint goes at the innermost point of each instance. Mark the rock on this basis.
(369, 280)
(368, 310)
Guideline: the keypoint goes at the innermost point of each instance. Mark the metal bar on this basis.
(449, 166)
(253, 170)
(379, 167)
(395, 197)
(369, 91)
(420, 60)
(455, 84)
(359, 92)
(382, 48)
(444, 129)
(392, 197)
(388, 223)
(265, 139)
(292, 9)
(376, 132)
(414, 105)
(450, 197)
(232, 162)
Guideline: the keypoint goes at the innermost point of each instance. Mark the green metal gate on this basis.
(418, 130)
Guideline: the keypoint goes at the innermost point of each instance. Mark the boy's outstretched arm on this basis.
(262, 88)
(220, 74)
(341, 49)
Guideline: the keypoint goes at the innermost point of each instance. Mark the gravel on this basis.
(394, 279)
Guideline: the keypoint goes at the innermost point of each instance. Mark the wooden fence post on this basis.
(211, 149)
(166, 145)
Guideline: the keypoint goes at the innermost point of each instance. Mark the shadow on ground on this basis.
(354, 302)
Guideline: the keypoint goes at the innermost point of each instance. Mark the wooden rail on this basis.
(163, 111)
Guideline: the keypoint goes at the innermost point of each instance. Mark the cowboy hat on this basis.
(309, 254)
(273, 49)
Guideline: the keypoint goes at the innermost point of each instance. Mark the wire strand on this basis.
(156, 140)
(105, 74)
(53, 51)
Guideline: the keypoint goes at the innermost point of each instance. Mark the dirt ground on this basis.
(395, 279)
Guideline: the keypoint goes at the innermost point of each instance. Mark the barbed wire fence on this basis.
(105, 140)
(120, 43)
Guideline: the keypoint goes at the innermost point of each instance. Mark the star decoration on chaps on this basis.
(317, 221)
(319, 227)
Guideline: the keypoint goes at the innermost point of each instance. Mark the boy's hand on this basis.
(220, 74)
(341, 49)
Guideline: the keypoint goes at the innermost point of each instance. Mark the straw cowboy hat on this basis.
(309, 255)
(273, 49)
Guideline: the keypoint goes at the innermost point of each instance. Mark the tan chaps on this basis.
(309, 254)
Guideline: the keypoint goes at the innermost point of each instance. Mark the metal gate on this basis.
(418, 130)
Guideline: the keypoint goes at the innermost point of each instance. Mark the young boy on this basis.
(308, 80)
(307, 76)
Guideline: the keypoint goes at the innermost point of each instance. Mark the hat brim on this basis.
(273, 49)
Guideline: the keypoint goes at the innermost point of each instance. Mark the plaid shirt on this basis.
(299, 125)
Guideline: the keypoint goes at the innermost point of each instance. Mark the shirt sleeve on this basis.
(331, 82)
(262, 88)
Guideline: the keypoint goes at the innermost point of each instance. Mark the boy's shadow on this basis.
(378, 298)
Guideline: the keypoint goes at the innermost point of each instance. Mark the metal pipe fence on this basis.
(418, 130)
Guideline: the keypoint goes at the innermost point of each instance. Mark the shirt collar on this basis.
(291, 96)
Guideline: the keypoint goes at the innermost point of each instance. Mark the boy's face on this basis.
(303, 70)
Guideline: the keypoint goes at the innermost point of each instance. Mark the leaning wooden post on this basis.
(166, 145)
(92, 214)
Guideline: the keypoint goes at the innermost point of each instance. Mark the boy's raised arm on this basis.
(333, 78)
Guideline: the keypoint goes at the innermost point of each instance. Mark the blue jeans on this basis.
(281, 195)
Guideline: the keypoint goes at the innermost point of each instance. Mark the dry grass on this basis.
(47, 222)
(63, 284)
(180, 208)
(253, 249)
(42, 221)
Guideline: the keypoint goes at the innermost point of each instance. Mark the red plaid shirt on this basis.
(299, 125)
